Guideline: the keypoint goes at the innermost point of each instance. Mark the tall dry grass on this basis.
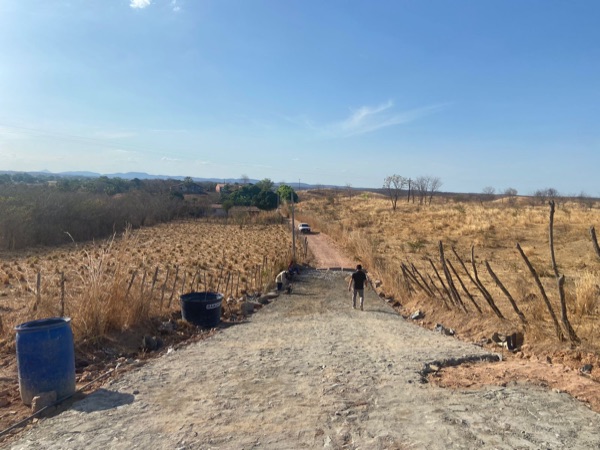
(369, 230)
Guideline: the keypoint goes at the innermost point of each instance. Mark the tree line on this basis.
(36, 213)
(262, 195)
(422, 188)
(50, 210)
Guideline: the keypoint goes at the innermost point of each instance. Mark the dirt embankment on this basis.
(308, 371)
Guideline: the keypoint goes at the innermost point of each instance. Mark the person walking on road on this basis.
(360, 280)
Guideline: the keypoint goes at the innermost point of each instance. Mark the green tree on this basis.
(265, 185)
(266, 200)
(286, 192)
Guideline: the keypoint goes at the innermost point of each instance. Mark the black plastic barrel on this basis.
(202, 308)
(45, 358)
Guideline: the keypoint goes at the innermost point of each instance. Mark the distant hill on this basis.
(146, 176)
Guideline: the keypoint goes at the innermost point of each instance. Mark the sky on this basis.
(479, 93)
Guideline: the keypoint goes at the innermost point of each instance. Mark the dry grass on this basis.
(383, 239)
(121, 283)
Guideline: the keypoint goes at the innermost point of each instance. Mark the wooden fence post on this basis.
(62, 294)
(174, 286)
(445, 289)
(557, 329)
(488, 297)
(505, 291)
(464, 288)
(451, 287)
(560, 279)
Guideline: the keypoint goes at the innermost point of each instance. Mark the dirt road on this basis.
(308, 371)
(327, 253)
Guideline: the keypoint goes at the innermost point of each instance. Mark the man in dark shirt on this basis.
(359, 278)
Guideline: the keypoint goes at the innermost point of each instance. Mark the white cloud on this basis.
(165, 158)
(367, 119)
(140, 4)
(175, 6)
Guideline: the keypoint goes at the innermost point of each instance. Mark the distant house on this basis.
(219, 186)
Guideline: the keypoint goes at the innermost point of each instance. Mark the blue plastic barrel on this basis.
(202, 308)
(45, 358)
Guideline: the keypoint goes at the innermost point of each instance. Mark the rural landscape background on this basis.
(150, 148)
(116, 254)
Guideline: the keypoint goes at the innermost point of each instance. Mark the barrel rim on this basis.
(43, 324)
(204, 296)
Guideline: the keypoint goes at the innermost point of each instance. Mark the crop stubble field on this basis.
(141, 265)
(117, 290)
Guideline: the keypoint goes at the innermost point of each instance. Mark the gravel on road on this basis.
(308, 371)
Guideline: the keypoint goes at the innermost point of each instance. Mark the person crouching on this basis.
(280, 279)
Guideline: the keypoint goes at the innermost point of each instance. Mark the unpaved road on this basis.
(308, 371)
(327, 253)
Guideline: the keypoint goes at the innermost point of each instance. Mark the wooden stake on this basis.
(595, 241)
(38, 294)
(62, 294)
(412, 277)
(164, 286)
(183, 282)
(219, 281)
(451, 287)
(559, 333)
(227, 284)
(193, 281)
(442, 283)
(464, 288)
(142, 285)
(154, 278)
(174, 286)
(133, 275)
(560, 279)
(425, 284)
(506, 293)
(488, 297)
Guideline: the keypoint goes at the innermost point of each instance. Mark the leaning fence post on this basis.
(557, 329)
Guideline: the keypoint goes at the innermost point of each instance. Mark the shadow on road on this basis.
(103, 399)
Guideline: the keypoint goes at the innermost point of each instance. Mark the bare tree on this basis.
(585, 200)
(420, 185)
(393, 184)
(510, 194)
(435, 183)
(546, 194)
(245, 178)
(349, 190)
(488, 193)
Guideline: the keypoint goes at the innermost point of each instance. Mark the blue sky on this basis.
(478, 93)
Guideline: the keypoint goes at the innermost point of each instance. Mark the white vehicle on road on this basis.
(304, 228)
